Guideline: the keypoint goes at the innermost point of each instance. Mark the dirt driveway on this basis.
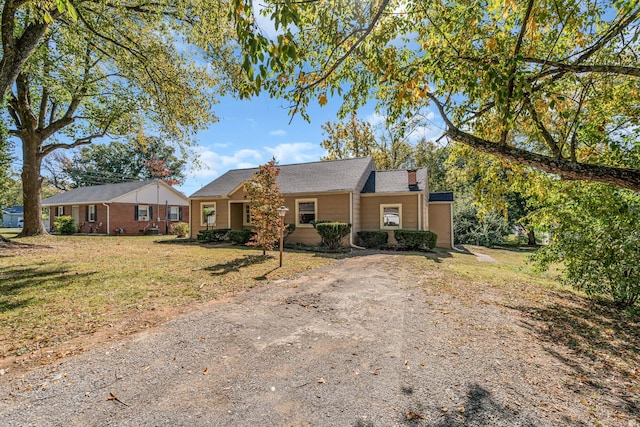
(354, 344)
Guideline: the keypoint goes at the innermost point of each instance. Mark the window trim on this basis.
(203, 221)
(94, 213)
(391, 227)
(315, 211)
(244, 214)
(144, 217)
(171, 208)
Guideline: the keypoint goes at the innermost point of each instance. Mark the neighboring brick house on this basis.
(349, 190)
(125, 208)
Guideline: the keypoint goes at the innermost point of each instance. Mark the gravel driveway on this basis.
(354, 344)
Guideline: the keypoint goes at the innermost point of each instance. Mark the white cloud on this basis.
(215, 164)
(296, 152)
(278, 132)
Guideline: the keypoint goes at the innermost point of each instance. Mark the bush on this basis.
(373, 239)
(65, 224)
(180, 229)
(594, 236)
(240, 237)
(487, 231)
(213, 235)
(289, 228)
(417, 240)
(332, 233)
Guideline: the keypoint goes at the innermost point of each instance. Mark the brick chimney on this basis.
(411, 176)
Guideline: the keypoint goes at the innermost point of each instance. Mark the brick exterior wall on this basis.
(121, 219)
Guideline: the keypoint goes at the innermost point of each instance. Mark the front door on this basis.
(75, 214)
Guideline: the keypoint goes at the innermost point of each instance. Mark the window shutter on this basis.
(180, 213)
(150, 213)
(86, 213)
(95, 212)
(136, 212)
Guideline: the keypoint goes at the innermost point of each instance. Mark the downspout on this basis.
(108, 218)
(353, 245)
(419, 213)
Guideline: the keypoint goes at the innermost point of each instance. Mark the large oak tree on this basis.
(90, 69)
(549, 84)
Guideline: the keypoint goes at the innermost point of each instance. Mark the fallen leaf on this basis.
(205, 371)
(413, 416)
(321, 381)
(445, 409)
(461, 409)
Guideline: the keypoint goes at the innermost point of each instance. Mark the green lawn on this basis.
(55, 288)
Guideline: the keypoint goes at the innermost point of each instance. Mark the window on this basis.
(91, 213)
(390, 216)
(60, 211)
(247, 215)
(143, 213)
(174, 213)
(306, 211)
(208, 214)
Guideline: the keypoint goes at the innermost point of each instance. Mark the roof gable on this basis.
(315, 177)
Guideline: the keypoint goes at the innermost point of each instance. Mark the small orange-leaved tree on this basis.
(265, 197)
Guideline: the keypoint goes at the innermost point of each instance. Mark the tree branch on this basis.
(566, 169)
(512, 74)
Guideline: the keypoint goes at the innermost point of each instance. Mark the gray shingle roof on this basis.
(96, 193)
(315, 177)
(394, 181)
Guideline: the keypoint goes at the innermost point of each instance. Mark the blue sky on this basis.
(250, 132)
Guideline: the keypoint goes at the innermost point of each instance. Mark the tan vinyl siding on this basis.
(440, 223)
(334, 207)
(370, 211)
(222, 214)
(239, 194)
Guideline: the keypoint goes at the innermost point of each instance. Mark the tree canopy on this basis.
(138, 159)
(548, 84)
(100, 69)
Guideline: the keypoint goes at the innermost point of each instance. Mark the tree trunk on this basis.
(531, 236)
(31, 186)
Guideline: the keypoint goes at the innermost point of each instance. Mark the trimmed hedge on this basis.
(180, 229)
(417, 240)
(373, 239)
(332, 233)
(213, 235)
(240, 237)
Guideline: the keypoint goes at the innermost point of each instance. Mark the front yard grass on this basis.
(56, 288)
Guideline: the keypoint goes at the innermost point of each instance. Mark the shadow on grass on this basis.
(480, 409)
(17, 282)
(237, 264)
(598, 341)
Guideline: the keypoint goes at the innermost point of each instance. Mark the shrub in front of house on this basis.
(180, 229)
(289, 229)
(240, 237)
(373, 239)
(332, 233)
(417, 240)
(213, 235)
(65, 224)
